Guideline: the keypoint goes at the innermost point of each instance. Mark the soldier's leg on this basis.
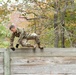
(25, 43)
(35, 37)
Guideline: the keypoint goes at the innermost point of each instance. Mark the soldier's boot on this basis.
(34, 47)
(41, 47)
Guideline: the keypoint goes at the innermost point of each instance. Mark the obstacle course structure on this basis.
(50, 61)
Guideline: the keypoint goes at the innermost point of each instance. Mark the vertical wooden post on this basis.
(7, 69)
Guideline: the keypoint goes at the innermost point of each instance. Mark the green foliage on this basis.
(48, 37)
(44, 26)
(4, 31)
(4, 44)
(0, 0)
(4, 34)
(70, 16)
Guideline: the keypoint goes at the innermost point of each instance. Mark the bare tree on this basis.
(56, 40)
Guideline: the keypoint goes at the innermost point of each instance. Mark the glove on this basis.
(13, 48)
(17, 45)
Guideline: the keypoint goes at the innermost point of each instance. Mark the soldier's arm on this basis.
(12, 40)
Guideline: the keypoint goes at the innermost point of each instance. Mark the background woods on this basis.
(53, 20)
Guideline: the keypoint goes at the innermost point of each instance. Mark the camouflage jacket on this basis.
(20, 33)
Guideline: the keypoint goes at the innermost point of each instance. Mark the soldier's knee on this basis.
(34, 34)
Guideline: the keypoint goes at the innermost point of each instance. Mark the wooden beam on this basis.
(7, 69)
(47, 52)
(2, 49)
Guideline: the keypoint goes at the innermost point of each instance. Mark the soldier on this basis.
(21, 33)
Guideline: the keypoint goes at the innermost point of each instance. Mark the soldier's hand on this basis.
(13, 48)
(17, 45)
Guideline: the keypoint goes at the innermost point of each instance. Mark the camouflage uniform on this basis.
(21, 33)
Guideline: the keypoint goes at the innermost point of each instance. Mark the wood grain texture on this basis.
(2, 50)
(1, 63)
(42, 60)
(47, 74)
(47, 52)
(1, 69)
(50, 61)
(46, 69)
(1, 74)
(7, 66)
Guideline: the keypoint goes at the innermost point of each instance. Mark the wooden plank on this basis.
(51, 61)
(48, 74)
(2, 49)
(43, 65)
(1, 69)
(47, 52)
(1, 54)
(46, 49)
(1, 74)
(42, 60)
(1, 60)
(1, 63)
(7, 69)
(46, 69)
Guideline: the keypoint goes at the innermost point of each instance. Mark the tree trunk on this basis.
(56, 40)
(63, 24)
(62, 31)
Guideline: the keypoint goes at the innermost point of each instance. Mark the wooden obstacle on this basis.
(50, 61)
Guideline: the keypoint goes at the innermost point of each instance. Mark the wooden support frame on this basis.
(54, 61)
(7, 66)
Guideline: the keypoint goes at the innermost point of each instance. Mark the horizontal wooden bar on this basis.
(48, 74)
(47, 52)
(46, 68)
(42, 60)
(1, 74)
(2, 49)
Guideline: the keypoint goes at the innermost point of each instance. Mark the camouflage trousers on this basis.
(33, 36)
